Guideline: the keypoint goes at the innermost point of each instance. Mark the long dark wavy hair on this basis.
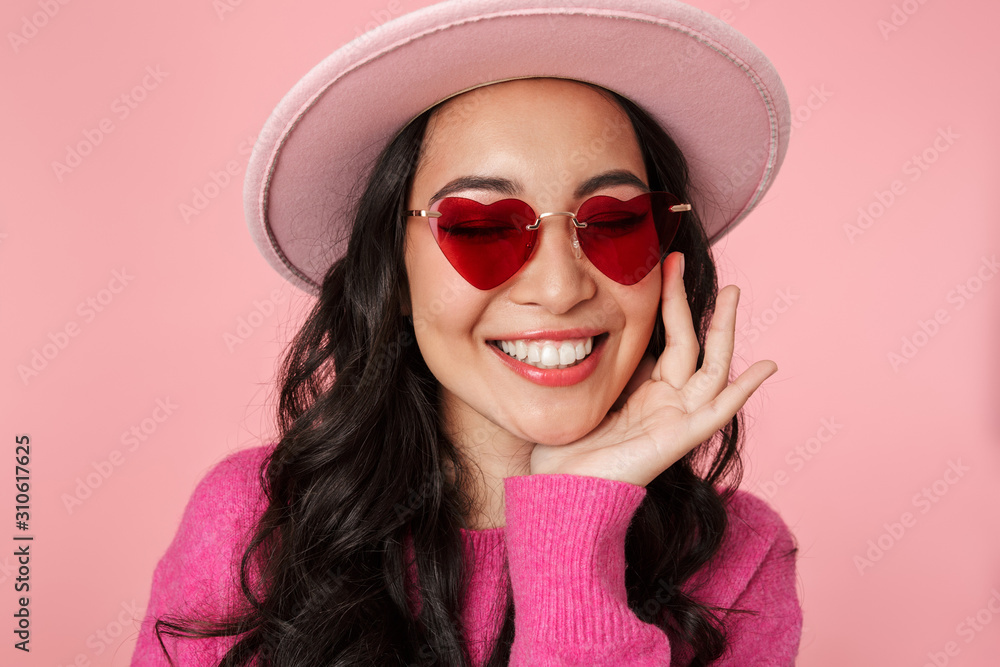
(361, 458)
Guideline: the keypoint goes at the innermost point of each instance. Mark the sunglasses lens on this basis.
(623, 239)
(486, 243)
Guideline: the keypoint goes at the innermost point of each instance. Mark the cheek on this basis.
(642, 307)
(442, 302)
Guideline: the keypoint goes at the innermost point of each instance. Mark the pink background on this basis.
(843, 440)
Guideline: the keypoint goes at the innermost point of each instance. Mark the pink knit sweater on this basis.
(564, 544)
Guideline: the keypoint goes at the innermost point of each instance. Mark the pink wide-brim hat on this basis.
(712, 90)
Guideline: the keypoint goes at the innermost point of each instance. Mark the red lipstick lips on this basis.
(555, 377)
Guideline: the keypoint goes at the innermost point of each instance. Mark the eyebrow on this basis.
(504, 186)
(511, 188)
(607, 179)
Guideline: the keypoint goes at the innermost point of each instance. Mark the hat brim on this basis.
(711, 89)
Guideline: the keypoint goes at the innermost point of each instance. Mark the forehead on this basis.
(518, 93)
(536, 118)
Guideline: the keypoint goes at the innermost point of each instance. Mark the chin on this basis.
(557, 422)
(557, 436)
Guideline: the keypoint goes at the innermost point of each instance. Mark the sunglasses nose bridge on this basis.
(568, 214)
(576, 225)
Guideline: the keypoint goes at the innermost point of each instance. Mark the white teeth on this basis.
(548, 354)
(567, 354)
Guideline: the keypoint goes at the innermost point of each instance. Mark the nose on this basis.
(558, 275)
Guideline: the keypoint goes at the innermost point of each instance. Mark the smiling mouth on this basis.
(549, 354)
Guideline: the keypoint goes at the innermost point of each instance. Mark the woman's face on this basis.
(553, 144)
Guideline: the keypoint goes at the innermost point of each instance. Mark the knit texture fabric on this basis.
(563, 548)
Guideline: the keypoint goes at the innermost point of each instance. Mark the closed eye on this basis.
(482, 230)
(615, 223)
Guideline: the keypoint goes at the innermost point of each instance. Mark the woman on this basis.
(507, 429)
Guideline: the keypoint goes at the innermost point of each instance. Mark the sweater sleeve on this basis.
(198, 575)
(755, 571)
(566, 556)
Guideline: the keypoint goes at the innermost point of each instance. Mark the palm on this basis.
(676, 406)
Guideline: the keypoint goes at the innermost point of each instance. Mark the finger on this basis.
(704, 422)
(680, 355)
(713, 376)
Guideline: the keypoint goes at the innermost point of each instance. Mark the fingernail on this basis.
(682, 265)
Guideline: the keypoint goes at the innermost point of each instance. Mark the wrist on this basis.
(566, 546)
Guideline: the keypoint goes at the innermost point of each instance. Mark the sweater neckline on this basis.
(483, 536)
(482, 531)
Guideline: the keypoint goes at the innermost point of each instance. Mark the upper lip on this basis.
(550, 334)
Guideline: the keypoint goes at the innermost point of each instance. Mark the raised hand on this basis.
(678, 407)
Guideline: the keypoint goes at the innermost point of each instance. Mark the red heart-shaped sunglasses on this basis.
(488, 243)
